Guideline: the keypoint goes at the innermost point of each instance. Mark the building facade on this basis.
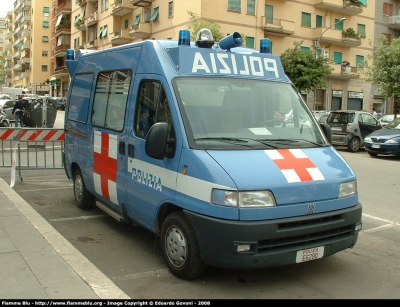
(340, 30)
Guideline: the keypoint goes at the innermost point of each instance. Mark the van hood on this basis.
(293, 175)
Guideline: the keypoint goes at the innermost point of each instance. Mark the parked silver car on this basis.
(385, 119)
(8, 105)
(349, 128)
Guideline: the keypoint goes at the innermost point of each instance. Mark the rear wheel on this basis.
(180, 247)
(83, 198)
(354, 144)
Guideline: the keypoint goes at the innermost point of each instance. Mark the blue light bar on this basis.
(70, 54)
(184, 38)
(265, 45)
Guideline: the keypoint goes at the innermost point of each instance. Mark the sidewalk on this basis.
(38, 263)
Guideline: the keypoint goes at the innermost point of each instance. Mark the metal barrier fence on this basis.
(31, 148)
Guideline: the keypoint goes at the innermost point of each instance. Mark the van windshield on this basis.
(231, 113)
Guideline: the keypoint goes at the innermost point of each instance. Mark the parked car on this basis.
(59, 102)
(321, 116)
(385, 141)
(8, 106)
(384, 120)
(4, 96)
(349, 128)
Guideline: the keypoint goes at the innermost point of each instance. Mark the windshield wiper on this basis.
(245, 140)
(289, 141)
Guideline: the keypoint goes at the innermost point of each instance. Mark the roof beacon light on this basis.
(205, 38)
(70, 54)
(231, 41)
(265, 45)
(184, 38)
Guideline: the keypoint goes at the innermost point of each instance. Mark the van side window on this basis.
(152, 107)
(79, 98)
(110, 99)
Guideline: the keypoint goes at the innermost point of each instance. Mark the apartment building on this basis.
(100, 24)
(28, 49)
(3, 56)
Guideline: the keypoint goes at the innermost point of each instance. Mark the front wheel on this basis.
(83, 198)
(354, 144)
(180, 247)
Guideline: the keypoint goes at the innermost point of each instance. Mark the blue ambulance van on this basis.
(190, 141)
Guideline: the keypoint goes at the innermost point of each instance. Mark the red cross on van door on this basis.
(105, 165)
(295, 165)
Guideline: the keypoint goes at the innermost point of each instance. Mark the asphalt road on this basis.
(129, 257)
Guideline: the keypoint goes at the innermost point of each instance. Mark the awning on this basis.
(136, 22)
(155, 14)
(59, 20)
(99, 34)
(104, 32)
(59, 41)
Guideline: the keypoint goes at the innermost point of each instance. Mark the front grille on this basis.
(308, 222)
(302, 241)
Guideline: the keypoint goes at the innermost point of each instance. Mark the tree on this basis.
(384, 69)
(197, 23)
(306, 70)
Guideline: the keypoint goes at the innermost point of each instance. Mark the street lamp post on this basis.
(317, 46)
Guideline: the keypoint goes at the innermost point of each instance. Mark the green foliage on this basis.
(349, 32)
(306, 70)
(197, 23)
(384, 69)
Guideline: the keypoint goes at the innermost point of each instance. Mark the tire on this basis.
(354, 144)
(180, 248)
(372, 154)
(83, 198)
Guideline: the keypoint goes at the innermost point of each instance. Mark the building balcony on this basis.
(63, 28)
(91, 45)
(60, 51)
(16, 78)
(18, 29)
(348, 72)
(278, 27)
(80, 25)
(16, 54)
(64, 7)
(60, 71)
(142, 30)
(121, 37)
(26, 46)
(26, 19)
(25, 60)
(336, 37)
(23, 4)
(25, 74)
(393, 22)
(141, 3)
(8, 46)
(81, 2)
(17, 66)
(121, 8)
(8, 36)
(346, 7)
(26, 32)
(92, 19)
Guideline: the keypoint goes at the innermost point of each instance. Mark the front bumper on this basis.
(273, 242)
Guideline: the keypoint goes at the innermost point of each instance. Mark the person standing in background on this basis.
(374, 113)
(19, 112)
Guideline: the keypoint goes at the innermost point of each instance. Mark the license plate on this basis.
(336, 128)
(376, 145)
(310, 254)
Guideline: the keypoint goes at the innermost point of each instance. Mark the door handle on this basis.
(130, 150)
(121, 148)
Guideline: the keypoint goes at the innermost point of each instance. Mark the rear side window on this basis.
(80, 97)
(110, 99)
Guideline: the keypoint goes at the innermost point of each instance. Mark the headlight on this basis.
(391, 142)
(368, 139)
(348, 189)
(247, 199)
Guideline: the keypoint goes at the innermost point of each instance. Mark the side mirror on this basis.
(156, 141)
(327, 131)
